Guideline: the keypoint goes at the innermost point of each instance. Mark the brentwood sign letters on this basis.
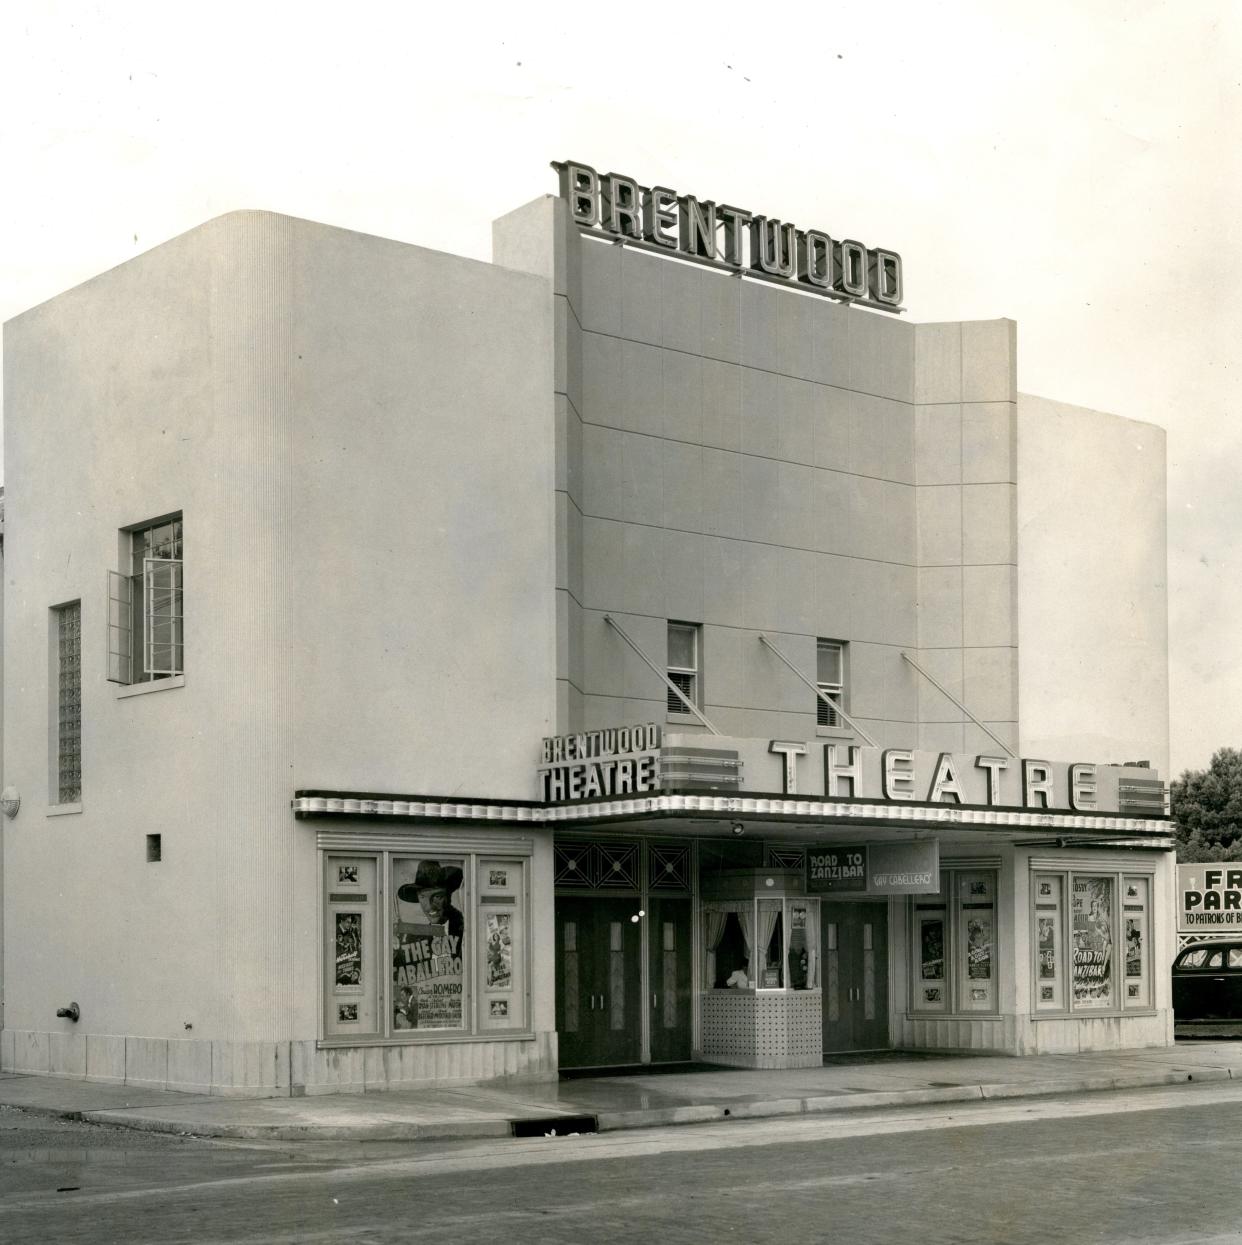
(731, 237)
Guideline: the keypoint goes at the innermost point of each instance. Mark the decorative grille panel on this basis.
(669, 868)
(596, 866)
(785, 858)
(616, 866)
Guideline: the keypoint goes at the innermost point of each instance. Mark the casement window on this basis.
(830, 680)
(146, 607)
(66, 743)
(953, 954)
(683, 665)
(424, 944)
(1091, 941)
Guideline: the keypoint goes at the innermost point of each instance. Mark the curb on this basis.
(390, 1130)
(616, 1121)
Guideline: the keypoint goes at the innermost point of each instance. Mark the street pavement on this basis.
(604, 1104)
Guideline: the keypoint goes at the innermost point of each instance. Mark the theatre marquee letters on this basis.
(945, 778)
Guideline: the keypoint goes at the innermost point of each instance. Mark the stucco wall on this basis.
(1093, 597)
(308, 399)
(757, 461)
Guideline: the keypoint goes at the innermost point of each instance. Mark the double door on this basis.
(854, 938)
(604, 1007)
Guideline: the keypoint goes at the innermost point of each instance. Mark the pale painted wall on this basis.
(337, 632)
(965, 475)
(1093, 596)
(757, 460)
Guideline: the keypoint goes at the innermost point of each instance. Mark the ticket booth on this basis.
(761, 977)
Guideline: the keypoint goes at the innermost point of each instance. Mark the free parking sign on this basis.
(1209, 898)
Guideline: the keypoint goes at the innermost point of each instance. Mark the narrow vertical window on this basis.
(829, 681)
(146, 607)
(683, 665)
(69, 703)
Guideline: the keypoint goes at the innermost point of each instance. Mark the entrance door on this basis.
(599, 982)
(668, 951)
(854, 939)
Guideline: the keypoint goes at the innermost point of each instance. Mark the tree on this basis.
(1207, 810)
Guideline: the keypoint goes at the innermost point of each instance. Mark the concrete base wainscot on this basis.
(271, 1069)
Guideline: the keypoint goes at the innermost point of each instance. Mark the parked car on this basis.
(1207, 982)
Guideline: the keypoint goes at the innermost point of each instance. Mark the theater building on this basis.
(649, 646)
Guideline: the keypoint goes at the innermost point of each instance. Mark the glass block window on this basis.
(829, 680)
(683, 665)
(69, 704)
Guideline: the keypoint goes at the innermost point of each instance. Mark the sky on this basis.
(1071, 164)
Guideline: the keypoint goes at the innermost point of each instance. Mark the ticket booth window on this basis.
(762, 944)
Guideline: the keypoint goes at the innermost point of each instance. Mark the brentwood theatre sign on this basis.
(735, 238)
(1209, 898)
(874, 869)
(642, 760)
(593, 765)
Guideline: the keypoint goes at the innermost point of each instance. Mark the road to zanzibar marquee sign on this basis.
(1209, 898)
(874, 868)
(733, 238)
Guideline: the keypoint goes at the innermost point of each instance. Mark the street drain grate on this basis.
(555, 1125)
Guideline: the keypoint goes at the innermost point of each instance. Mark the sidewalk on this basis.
(894, 1079)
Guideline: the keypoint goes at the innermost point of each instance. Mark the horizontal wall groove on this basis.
(703, 354)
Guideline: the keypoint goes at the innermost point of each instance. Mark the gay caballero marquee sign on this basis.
(660, 219)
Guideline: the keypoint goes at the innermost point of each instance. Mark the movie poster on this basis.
(499, 972)
(428, 944)
(1093, 941)
(979, 947)
(1047, 948)
(348, 949)
(931, 950)
(1134, 946)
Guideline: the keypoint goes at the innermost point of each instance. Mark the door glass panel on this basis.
(616, 976)
(569, 969)
(668, 1000)
(832, 983)
(868, 973)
